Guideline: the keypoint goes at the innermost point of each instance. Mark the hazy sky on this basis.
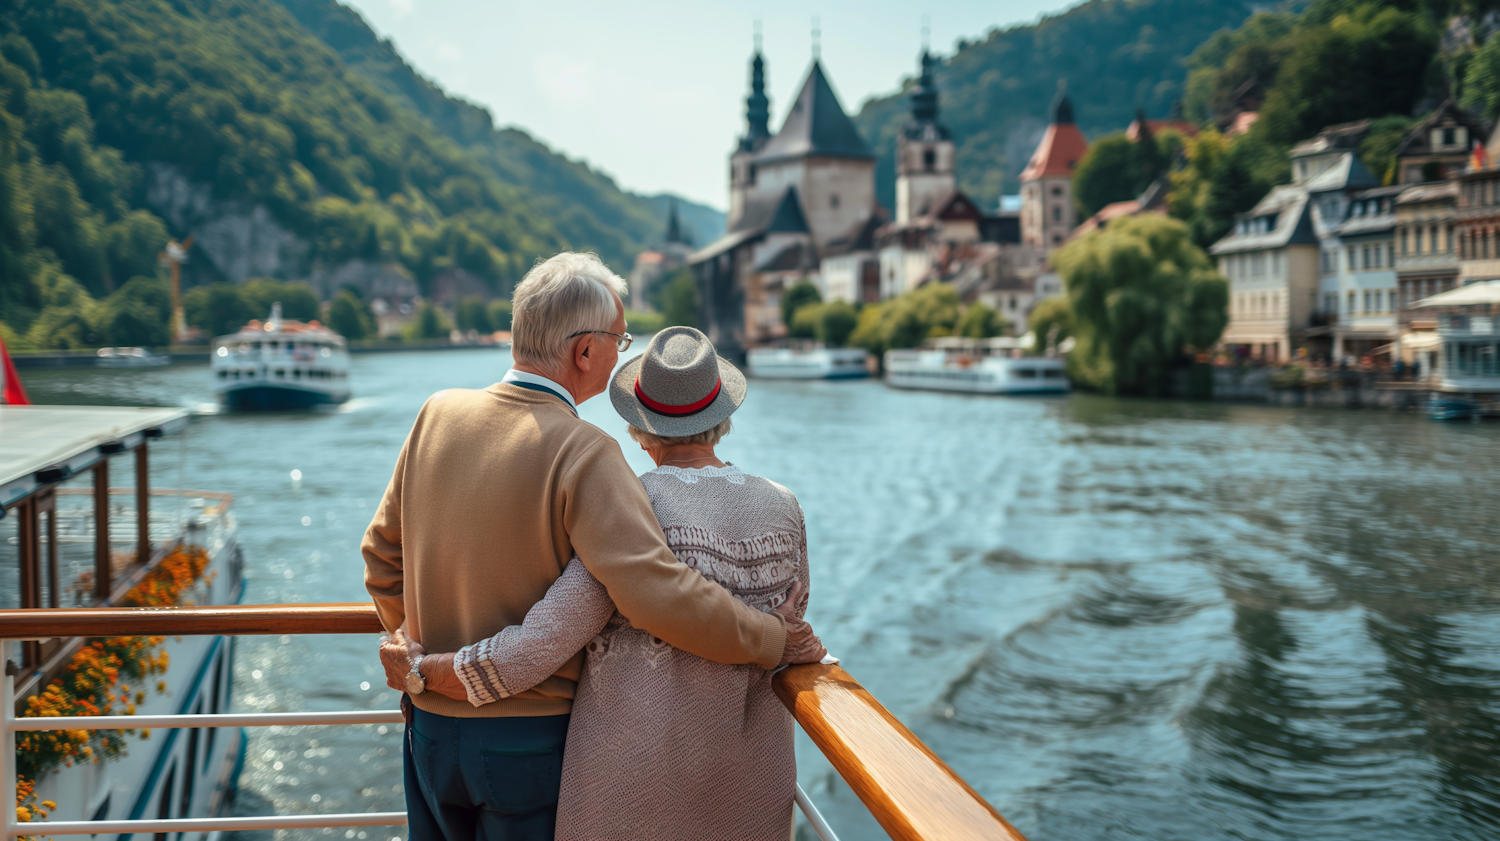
(652, 92)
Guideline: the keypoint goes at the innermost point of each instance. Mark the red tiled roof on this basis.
(1061, 149)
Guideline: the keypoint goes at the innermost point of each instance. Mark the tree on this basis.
(1378, 150)
(804, 324)
(836, 322)
(907, 320)
(429, 324)
(218, 309)
(297, 299)
(471, 314)
(798, 296)
(981, 321)
(1141, 296)
(138, 313)
(1481, 81)
(1223, 178)
(1050, 323)
(500, 314)
(1367, 62)
(676, 298)
(350, 317)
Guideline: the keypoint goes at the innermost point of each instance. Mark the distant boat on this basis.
(280, 364)
(976, 366)
(129, 357)
(785, 363)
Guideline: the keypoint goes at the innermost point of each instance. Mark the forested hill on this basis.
(125, 121)
(567, 186)
(1115, 55)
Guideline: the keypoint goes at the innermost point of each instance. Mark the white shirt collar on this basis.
(514, 376)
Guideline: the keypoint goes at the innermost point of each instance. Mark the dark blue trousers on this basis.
(485, 779)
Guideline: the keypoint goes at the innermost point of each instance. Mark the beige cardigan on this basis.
(493, 493)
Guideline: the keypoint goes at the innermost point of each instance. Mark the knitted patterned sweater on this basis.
(662, 744)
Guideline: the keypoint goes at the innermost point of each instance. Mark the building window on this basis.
(1448, 249)
(1352, 301)
(929, 159)
(1350, 265)
(1331, 303)
(1056, 191)
(1057, 214)
(1405, 238)
(1449, 137)
(833, 201)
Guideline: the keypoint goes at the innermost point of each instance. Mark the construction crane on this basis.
(173, 256)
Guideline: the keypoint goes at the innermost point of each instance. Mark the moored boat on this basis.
(129, 357)
(976, 366)
(71, 537)
(817, 363)
(280, 364)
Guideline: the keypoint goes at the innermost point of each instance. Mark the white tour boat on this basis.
(785, 363)
(281, 364)
(976, 366)
(82, 528)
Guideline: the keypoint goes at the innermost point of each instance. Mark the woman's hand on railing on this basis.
(802, 645)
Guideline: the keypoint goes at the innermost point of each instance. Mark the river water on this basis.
(1116, 619)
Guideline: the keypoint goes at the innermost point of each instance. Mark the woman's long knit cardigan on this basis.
(664, 745)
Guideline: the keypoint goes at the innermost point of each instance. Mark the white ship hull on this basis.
(814, 364)
(939, 370)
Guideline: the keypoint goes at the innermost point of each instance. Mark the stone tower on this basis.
(924, 152)
(1048, 214)
(742, 171)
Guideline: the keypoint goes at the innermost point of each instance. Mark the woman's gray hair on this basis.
(710, 436)
(567, 294)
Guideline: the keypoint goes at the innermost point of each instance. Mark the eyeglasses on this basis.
(622, 340)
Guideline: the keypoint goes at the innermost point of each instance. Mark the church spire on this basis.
(675, 232)
(1062, 108)
(757, 106)
(924, 99)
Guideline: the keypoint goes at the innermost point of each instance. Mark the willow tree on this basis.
(1142, 297)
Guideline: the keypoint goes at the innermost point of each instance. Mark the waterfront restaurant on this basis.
(1469, 329)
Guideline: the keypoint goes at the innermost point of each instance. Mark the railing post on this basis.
(143, 504)
(8, 741)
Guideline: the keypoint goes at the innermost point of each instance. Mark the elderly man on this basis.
(494, 491)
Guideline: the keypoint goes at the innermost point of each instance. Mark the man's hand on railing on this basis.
(802, 645)
(396, 653)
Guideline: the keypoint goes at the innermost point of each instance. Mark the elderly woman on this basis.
(662, 744)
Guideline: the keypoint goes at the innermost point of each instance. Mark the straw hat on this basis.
(678, 387)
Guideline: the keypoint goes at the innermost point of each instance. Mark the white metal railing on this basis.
(10, 724)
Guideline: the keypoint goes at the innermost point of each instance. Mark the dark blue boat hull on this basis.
(265, 398)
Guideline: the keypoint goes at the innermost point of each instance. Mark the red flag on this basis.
(1481, 157)
(13, 394)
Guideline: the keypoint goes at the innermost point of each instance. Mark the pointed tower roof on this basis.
(675, 231)
(816, 125)
(757, 107)
(924, 105)
(1062, 145)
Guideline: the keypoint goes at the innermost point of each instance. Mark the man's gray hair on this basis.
(567, 294)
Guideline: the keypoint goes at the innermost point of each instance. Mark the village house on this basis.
(656, 263)
(1270, 258)
(1426, 263)
(1048, 213)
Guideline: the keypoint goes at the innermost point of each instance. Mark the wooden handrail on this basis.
(912, 793)
(231, 620)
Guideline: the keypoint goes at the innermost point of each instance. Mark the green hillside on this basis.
(1115, 55)
(588, 202)
(353, 158)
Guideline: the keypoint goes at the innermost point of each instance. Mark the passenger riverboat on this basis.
(82, 528)
(976, 366)
(280, 364)
(812, 363)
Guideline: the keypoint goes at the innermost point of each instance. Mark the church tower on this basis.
(1048, 214)
(924, 152)
(742, 174)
